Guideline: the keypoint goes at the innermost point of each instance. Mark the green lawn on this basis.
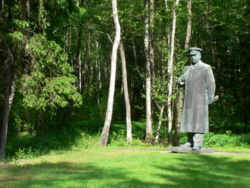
(109, 167)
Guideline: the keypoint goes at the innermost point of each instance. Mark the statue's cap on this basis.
(194, 50)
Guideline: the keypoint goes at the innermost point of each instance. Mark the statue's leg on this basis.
(190, 136)
(198, 141)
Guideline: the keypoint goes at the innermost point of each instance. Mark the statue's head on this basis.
(195, 54)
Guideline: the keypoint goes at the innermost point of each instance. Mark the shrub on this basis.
(229, 139)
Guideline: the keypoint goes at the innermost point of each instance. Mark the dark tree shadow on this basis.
(208, 171)
(59, 174)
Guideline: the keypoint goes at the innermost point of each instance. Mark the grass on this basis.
(109, 167)
(71, 157)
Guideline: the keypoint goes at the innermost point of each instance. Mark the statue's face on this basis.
(195, 58)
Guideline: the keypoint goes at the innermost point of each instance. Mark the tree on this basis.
(189, 25)
(126, 94)
(36, 67)
(12, 49)
(8, 100)
(149, 54)
(108, 118)
(170, 73)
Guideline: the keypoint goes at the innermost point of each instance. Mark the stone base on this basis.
(179, 149)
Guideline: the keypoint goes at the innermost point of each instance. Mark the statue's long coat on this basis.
(199, 92)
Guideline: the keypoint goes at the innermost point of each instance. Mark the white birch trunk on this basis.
(159, 124)
(98, 69)
(126, 94)
(78, 59)
(69, 44)
(79, 72)
(170, 73)
(108, 118)
(28, 8)
(78, 54)
(151, 46)
(189, 24)
(149, 130)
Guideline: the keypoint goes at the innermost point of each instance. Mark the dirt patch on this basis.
(166, 151)
(3, 165)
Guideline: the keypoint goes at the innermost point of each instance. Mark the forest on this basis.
(94, 64)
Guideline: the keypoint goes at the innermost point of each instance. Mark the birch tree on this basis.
(108, 118)
(170, 73)
(160, 90)
(149, 54)
(78, 59)
(189, 24)
(126, 94)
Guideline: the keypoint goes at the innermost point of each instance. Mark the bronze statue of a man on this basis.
(199, 83)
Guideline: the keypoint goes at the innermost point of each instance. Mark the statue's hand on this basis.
(180, 82)
(214, 99)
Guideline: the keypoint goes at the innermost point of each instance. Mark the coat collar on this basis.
(196, 65)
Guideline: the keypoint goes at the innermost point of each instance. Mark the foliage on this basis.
(223, 142)
(50, 81)
(228, 139)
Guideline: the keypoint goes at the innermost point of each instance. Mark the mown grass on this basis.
(109, 167)
(71, 157)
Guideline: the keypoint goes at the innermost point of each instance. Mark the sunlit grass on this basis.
(109, 167)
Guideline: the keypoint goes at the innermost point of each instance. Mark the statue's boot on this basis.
(187, 145)
(198, 141)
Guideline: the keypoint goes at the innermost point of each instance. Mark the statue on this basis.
(199, 83)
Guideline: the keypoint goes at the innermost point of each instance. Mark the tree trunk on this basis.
(151, 32)
(69, 45)
(78, 53)
(189, 24)
(136, 59)
(8, 99)
(159, 124)
(2, 7)
(170, 74)
(149, 130)
(41, 17)
(78, 59)
(28, 8)
(99, 75)
(126, 94)
(106, 127)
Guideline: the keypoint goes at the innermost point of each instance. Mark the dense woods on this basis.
(72, 60)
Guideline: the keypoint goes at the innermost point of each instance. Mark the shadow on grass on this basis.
(193, 171)
(64, 174)
(203, 171)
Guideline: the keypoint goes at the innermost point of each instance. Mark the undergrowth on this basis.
(85, 134)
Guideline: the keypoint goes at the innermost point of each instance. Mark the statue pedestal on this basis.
(179, 149)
